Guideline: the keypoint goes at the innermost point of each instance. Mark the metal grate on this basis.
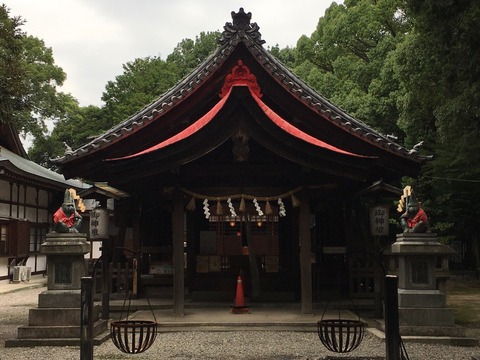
(133, 337)
(341, 336)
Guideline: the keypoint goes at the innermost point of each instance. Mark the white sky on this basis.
(92, 39)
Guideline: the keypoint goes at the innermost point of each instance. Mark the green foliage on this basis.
(12, 71)
(28, 77)
(351, 53)
(142, 81)
(438, 67)
(286, 55)
(75, 127)
(188, 53)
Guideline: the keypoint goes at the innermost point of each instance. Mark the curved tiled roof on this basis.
(30, 171)
(241, 30)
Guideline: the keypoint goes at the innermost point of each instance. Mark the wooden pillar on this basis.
(178, 238)
(106, 278)
(136, 239)
(305, 255)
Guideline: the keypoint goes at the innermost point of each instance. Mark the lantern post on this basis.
(99, 220)
(379, 226)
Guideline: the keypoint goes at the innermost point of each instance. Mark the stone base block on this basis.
(451, 331)
(426, 317)
(57, 317)
(421, 298)
(65, 244)
(59, 299)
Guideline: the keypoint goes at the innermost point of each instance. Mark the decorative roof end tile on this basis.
(241, 29)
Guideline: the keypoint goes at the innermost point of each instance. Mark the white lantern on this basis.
(98, 224)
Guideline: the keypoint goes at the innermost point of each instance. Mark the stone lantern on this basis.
(420, 262)
(56, 320)
(422, 306)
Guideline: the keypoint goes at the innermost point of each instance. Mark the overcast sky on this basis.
(92, 39)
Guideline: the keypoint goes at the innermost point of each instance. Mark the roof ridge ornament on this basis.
(241, 75)
(241, 28)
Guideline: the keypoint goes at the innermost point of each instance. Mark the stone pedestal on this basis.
(56, 321)
(421, 304)
(65, 267)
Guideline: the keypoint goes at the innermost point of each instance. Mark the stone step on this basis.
(98, 340)
(48, 332)
(426, 317)
(52, 332)
(57, 316)
(444, 340)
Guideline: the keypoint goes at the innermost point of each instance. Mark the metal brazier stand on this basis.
(129, 336)
(341, 335)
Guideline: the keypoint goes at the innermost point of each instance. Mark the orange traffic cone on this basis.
(240, 307)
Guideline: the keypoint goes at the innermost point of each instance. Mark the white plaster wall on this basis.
(43, 216)
(14, 191)
(3, 266)
(41, 262)
(95, 250)
(31, 214)
(31, 196)
(4, 210)
(43, 198)
(4, 190)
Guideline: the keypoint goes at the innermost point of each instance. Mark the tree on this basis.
(12, 73)
(73, 128)
(348, 59)
(286, 55)
(188, 53)
(438, 70)
(28, 77)
(142, 81)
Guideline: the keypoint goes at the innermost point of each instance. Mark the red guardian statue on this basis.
(414, 219)
(66, 219)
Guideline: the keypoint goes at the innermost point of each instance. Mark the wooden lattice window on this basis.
(14, 238)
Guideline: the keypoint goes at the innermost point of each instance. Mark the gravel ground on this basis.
(268, 345)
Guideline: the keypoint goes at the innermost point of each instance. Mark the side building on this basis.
(29, 194)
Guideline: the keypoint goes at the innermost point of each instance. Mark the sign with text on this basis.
(379, 220)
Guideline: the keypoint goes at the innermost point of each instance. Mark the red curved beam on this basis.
(190, 130)
(294, 131)
(272, 115)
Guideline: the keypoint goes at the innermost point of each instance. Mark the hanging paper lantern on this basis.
(98, 224)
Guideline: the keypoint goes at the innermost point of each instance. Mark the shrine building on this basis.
(242, 168)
